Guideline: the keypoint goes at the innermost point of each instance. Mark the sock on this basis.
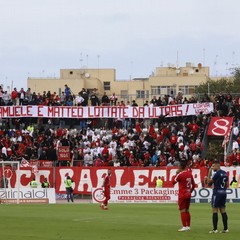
(188, 219)
(225, 220)
(183, 218)
(215, 220)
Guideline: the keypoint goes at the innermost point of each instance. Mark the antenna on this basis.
(87, 60)
(203, 57)
(98, 57)
(131, 70)
(233, 59)
(81, 60)
(215, 65)
(177, 60)
(226, 68)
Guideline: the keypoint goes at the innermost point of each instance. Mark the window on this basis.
(155, 90)
(106, 86)
(163, 90)
(142, 94)
(71, 72)
(187, 90)
(124, 94)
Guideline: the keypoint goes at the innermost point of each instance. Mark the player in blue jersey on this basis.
(219, 179)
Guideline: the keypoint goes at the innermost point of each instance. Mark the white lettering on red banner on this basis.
(87, 178)
(63, 153)
(105, 111)
(219, 126)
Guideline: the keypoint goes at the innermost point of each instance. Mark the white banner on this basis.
(203, 195)
(105, 111)
(137, 195)
(28, 195)
(158, 195)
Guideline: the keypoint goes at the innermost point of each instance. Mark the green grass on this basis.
(122, 221)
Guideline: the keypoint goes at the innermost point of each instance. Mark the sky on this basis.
(40, 37)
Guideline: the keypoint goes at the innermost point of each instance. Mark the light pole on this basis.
(98, 57)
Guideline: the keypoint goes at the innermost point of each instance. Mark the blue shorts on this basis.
(219, 200)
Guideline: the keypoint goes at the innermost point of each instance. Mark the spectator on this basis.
(67, 91)
(94, 100)
(28, 95)
(235, 144)
(79, 99)
(105, 99)
(113, 99)
(14, 96)
(1, 93)
(84, 94)
(235, 131)
(6, 98)
(21, 96)
(62, 98)
(88, 159)
(154, 101)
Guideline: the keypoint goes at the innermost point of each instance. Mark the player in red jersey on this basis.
(186, 186)
(106, 190)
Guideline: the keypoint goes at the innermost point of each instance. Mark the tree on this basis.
(236, 80)
(215, 86)
(225, 85)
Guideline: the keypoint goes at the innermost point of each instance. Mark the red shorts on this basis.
(184, 203)
(107, 194)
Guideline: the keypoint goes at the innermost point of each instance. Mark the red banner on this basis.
(105, 111)
(219, 126)
(63, 153)
(42, 163)
(87, 178)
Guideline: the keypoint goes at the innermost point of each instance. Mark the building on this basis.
(164, 81)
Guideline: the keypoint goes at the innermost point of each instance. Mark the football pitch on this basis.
(121, 221)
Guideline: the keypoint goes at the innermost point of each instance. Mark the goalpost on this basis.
(9, 178)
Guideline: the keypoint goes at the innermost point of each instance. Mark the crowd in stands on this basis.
(113, 142)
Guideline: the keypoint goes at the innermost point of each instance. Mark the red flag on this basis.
(25, 163)
(34, 169)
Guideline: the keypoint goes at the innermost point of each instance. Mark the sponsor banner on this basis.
(63, 153)
(137, 195)
(203, 195)
(105, 111)
(28, 195)
(158, 195)
(26, 201)
(219, 126)
(87, 178)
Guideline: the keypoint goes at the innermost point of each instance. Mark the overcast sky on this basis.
(39, 37)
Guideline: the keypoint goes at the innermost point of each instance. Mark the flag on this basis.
(34, 169)
(226, 139)
(24, 163)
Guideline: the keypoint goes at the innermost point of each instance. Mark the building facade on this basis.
(164, 81)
